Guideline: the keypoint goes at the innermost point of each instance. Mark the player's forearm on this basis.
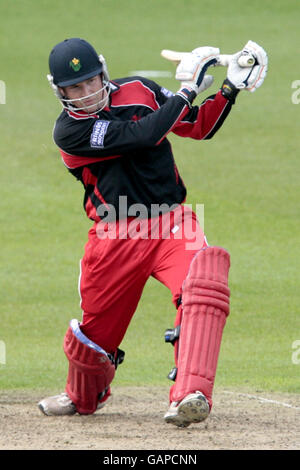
(203, 122)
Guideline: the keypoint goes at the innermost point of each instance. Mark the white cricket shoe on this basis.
(58, 405)
(62, 405)
(194, 408)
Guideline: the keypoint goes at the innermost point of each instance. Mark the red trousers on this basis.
(120, 257)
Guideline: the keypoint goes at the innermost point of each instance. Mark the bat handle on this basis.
(245, 60)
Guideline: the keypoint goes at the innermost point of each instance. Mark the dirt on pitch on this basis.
(133, 420)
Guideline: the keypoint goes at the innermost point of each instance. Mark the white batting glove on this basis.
(192, 68)
(248, 78)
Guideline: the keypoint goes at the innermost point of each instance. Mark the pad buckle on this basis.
(172, 374)
(171, 335)
(117, 357)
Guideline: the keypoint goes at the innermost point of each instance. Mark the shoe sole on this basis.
(193, 410)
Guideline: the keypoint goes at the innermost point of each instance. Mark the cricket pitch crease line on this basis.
(151, 73)
(264, 400)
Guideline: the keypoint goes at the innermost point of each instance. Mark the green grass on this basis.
(247, 177)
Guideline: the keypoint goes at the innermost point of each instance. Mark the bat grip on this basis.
(245, 60)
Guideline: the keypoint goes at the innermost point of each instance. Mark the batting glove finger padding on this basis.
(259, 70)
(193, 66)
(248, 78)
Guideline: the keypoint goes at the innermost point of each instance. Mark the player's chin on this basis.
(90, 107)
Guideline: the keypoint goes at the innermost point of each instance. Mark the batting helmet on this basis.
(72, 61)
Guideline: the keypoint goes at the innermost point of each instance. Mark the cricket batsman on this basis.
(113, 137)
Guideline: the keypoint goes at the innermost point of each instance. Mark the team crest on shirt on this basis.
(75, 64)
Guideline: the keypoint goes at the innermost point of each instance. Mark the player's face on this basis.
(87, 94)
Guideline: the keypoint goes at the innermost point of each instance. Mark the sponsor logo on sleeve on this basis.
(167, 92)
(98, 134)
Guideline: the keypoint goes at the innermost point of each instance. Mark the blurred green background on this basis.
(247, 177)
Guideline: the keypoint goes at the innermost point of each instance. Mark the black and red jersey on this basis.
(123, 150)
